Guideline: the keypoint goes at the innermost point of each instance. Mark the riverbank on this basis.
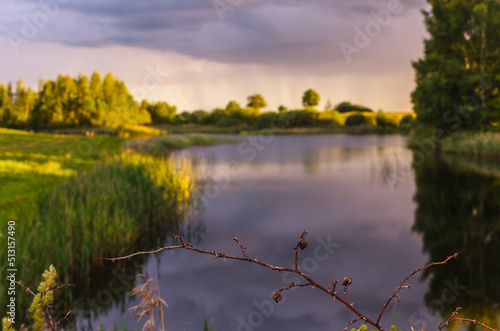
(76, 198)
(473, 144)
(476, 144)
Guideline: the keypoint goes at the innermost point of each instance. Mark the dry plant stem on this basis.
(296, 248)
(330, 290)
(452, 319)
(401, 286)
(48, 317)
(351, 323)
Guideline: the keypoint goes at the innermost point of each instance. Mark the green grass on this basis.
(163, 145)
(102, 211)
(30, 161)
(478, 144)
(76, 199)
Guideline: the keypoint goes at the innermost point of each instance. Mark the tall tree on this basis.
(256, 101)
(457, 79)
(310, 98)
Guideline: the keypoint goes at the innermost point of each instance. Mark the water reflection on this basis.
(458, 210)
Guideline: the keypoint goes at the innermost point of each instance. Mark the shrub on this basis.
(385, 121)
(356, 119)
(407, 120)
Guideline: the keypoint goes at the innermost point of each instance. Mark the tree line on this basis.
(76, 102)
(69, 102)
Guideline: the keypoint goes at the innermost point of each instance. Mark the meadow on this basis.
(77, 198)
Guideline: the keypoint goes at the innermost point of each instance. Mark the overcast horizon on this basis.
(199, 54)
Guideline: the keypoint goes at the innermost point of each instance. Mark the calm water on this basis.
(369, 214)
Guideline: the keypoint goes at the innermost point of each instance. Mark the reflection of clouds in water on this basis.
(298, 183)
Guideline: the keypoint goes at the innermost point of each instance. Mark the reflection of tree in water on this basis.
(459, 211)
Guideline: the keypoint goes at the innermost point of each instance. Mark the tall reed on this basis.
(121, 204)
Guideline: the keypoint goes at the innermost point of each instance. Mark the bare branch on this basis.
(300, 244)
(401, 286)
(351, 323)
(241, 246)
(443, 324)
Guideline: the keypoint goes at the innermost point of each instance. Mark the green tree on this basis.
(310, 98)
(456, 86)
(233, 106)
(5, 103)
(346, 107)
(161, 112)
(282, 109)
(256, 101)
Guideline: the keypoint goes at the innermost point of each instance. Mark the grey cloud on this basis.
(282, 32)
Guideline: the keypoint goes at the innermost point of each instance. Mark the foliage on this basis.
(457, 79)
(385, 121)
(160, 112)
(256, 101)
(310, 98)
(68, 102)
(282, 109)
(44, 298)
(346, 107)
(406, 120)
(7, 325)
(356, 119)
(206, 327)
(480, 144)
(104, 210)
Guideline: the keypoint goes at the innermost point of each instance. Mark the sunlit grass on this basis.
(30, 161)
(76, 199)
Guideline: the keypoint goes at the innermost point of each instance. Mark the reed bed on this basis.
(119, 204)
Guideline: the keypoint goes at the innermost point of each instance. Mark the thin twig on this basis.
(443, 324)
(241, 246)
(296, 248)
(351, 323)
(401, 286)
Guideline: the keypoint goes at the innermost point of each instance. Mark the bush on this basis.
(406, 120)
(356, 119)
(385, 121)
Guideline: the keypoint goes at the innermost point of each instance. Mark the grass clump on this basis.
(103, 211)
(479, 144)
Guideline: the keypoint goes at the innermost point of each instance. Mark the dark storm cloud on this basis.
(286, 32)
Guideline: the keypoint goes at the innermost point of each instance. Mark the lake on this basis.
(369, 214)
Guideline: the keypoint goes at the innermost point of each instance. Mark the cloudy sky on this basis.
(203, 53)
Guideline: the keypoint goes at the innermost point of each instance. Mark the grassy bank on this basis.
(163, 145)
(75, 199)
(30, 161)
(477, 144)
